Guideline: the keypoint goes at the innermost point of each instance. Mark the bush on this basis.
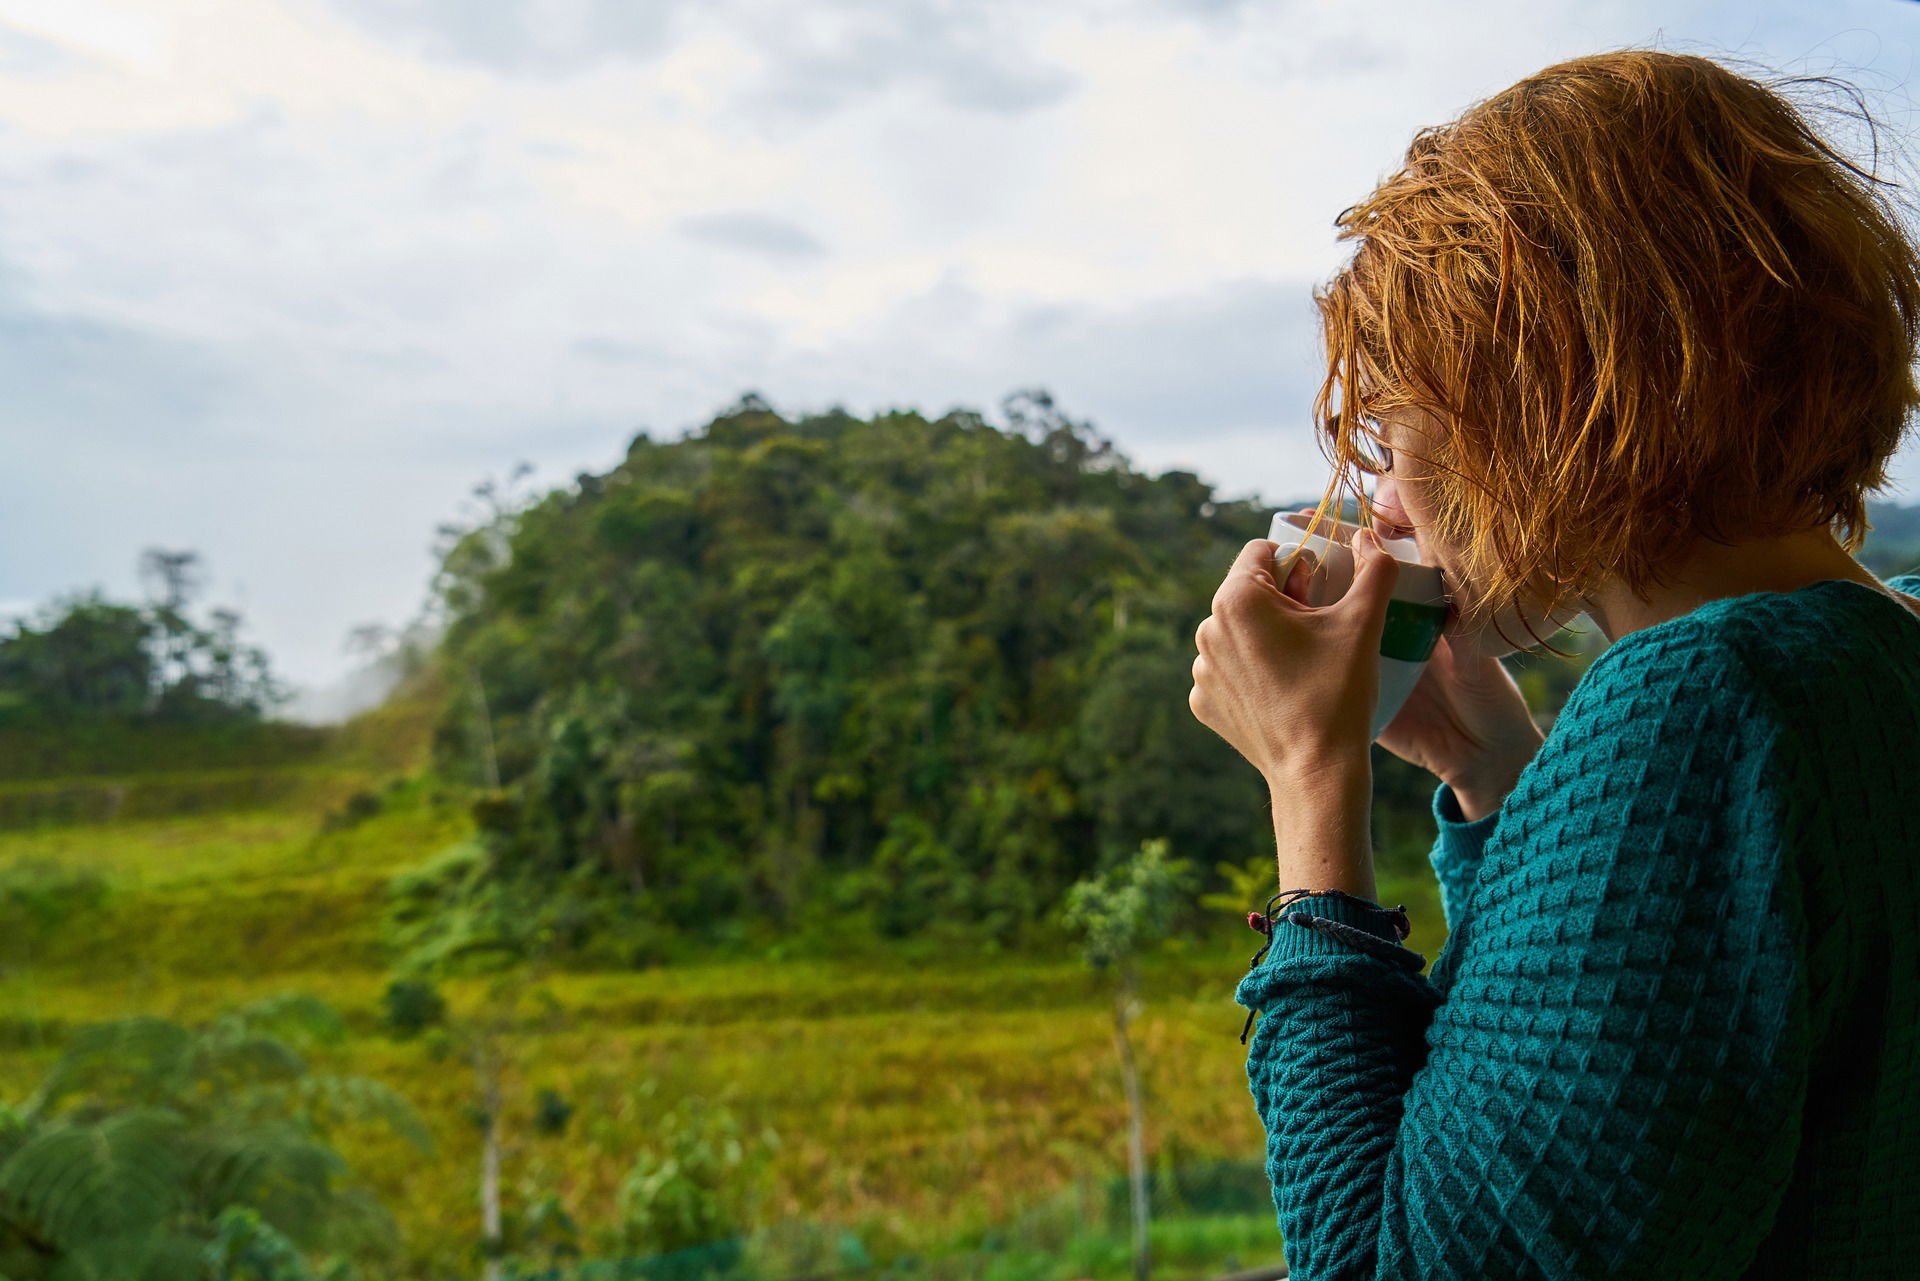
(695, 1185)
(411, 1006)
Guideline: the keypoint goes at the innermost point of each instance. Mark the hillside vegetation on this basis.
(837, 675)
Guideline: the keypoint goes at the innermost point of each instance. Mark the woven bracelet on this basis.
(1372, 944)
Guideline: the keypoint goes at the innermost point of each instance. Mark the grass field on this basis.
(927, 1099)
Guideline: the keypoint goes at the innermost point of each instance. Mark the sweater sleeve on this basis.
(1457, 851)
(1611, 1082)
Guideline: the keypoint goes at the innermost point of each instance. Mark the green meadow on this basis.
(928, 1101)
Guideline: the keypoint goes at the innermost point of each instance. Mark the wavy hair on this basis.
(1647, 302)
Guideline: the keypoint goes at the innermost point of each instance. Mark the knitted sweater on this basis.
(1674, 1032)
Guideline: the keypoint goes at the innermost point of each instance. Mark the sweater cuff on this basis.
(1453, 822)
(1366, 915)
(1456, 852)
(1293, 942)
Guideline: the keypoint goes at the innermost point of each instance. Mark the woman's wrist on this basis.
(1320, 824)
(1481, 793)
(1477, 804)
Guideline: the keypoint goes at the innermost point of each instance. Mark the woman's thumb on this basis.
(1374, 575)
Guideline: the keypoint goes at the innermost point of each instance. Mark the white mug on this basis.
(1416, 613)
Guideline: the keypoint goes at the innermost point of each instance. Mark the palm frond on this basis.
(130, 1061)
(333, 1101)
(77, 1183)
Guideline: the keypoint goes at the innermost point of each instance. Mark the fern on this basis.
(72, 1184)
(153, 1151)
(122, 1063)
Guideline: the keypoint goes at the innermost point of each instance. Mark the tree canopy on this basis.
(892, 669)
(88, 659)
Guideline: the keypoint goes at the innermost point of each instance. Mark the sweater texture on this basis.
(1674, 1032)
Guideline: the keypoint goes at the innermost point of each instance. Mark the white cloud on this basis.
(538, 37)
(752, 232)
(279, 279)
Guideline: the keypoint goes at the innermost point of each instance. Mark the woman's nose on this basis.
(1388, 513)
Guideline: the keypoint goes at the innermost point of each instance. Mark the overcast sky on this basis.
(280, 280)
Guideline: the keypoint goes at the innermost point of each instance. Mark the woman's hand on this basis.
(1291, 686)
(1467, 724)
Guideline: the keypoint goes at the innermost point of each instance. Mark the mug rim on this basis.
(1343, 535)
(1419, 582)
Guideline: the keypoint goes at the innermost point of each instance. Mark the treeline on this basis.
(88, 660)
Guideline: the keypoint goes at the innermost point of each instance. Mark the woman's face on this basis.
(1401, 510)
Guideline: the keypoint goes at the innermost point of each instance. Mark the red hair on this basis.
(1647, 302)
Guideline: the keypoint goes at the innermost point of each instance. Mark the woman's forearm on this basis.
(1320, 816)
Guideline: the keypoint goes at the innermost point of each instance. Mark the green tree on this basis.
(86, 659)
(1122, 915)
(481, 1039)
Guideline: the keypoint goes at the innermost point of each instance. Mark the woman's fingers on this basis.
(1252, 570)
(1254, 557)
(1299, 577)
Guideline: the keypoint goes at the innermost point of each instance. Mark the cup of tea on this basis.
(1416, 613)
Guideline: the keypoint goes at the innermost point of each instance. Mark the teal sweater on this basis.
(1674, 1034)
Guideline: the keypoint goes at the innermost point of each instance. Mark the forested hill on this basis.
(859, 675)
(885, 671)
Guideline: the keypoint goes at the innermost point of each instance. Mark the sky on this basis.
(282, 280)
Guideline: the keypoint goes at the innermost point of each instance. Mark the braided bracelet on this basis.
(1372, 944)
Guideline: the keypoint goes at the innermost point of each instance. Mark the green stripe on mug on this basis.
(1412, 630)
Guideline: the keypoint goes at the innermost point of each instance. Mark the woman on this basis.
(1627, 339)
